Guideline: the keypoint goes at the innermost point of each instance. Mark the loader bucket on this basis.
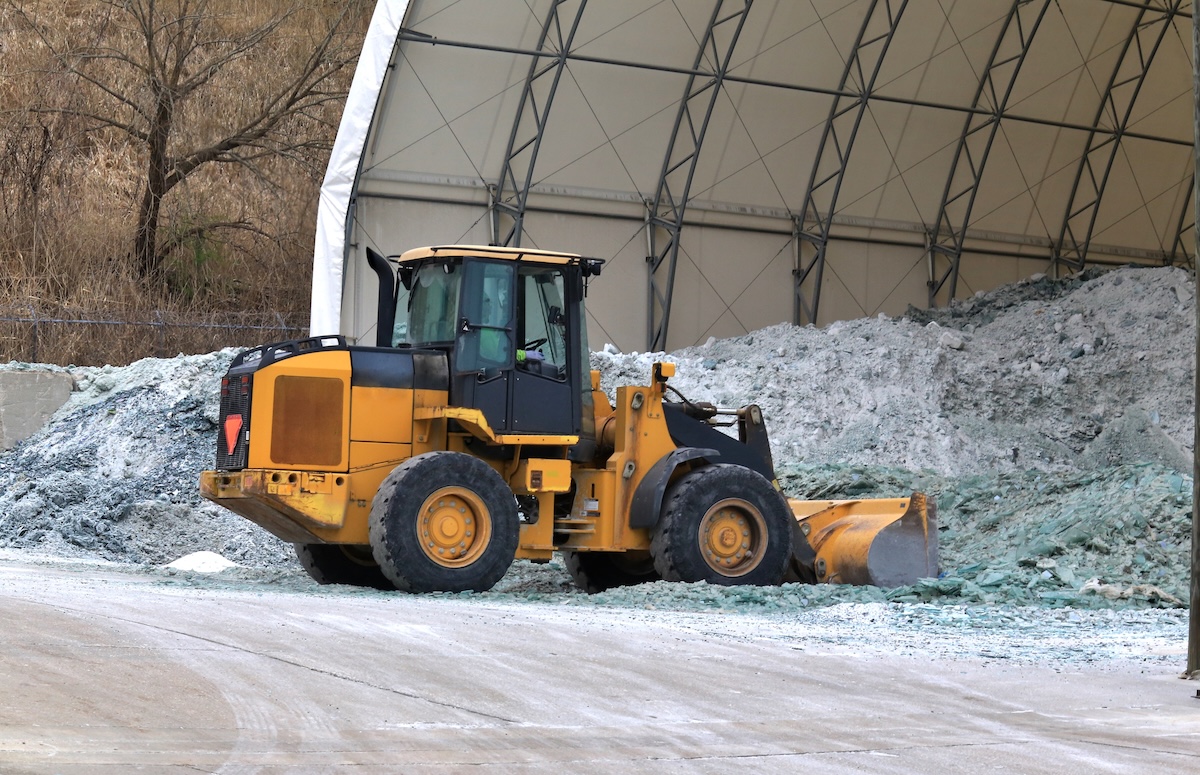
(882, 542)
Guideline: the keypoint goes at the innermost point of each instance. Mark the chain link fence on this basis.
(94, 338)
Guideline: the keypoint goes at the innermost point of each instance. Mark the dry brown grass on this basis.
(70, 187)
(85, 337)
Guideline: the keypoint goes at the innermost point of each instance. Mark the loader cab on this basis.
(511, 322)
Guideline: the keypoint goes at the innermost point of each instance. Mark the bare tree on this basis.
(161, 73)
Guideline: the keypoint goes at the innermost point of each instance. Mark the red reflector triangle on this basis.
(233, 426)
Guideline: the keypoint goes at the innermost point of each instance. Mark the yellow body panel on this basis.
(381, 414)
(538, 475)
(590, 524)
(376, 454)
(542, 478)
(376, 427)
(475, 422)
(536, 540)
(429, 433)
(370, 463)
(312, 424)
(599, 519)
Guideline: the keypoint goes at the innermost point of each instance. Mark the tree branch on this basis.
(101, 120)
(177, 240)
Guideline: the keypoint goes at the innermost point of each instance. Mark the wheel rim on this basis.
(732, 537)
(454, 527)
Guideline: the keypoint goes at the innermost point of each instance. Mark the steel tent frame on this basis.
(719, 63)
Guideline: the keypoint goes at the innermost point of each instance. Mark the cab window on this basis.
(427, 314)
(486, 319)
(543, 328)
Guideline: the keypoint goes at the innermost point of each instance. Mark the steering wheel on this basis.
(533, 344)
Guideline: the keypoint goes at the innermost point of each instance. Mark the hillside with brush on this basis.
(163, 159)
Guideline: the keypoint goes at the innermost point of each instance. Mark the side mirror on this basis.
(556, 317)
(406, 277)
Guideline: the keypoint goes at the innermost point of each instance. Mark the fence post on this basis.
(33, 357)
(161, 340)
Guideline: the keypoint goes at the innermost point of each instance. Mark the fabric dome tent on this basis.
(739, 164)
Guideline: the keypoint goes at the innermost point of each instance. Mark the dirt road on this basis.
(107, 671)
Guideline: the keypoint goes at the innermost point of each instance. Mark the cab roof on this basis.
(491, 251)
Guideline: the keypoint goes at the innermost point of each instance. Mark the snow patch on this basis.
(202, 562)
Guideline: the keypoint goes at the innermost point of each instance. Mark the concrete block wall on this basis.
(27, 399)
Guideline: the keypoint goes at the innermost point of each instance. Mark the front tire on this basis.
(341, 564)
(444, 522)
(724, 524)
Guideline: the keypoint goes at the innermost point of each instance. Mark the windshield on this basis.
(427, 314)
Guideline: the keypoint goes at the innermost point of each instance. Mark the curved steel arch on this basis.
(665, 213)
(1079, 221)
(508, 197)
(1179, 254)
(845, 104)
(949, 231)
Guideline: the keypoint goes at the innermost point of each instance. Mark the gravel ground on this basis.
(815, 620)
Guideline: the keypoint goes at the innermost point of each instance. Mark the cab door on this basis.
(484, 352)
(543, 399)
(516, 356)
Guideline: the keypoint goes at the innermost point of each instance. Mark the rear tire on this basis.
(444, 522)
(724, 524)
(341, 564)
(597, 571)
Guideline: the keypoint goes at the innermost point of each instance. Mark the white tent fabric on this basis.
(344, 161)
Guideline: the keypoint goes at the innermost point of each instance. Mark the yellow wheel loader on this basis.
(474, 432)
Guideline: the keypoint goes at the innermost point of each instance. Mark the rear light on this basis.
(233, 435)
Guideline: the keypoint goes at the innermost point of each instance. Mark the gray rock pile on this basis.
(1039, 375)
(1085, 539)
(114, 474)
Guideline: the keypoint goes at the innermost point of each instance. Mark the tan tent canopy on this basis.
(739, 164)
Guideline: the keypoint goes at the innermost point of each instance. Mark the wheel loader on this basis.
(474, 432)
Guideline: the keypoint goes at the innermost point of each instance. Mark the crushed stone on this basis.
(1049, 376)
(114, 474)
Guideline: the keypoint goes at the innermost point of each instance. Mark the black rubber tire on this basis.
(678, 545)
(338, 564)
(397, 510)
(597, 571)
